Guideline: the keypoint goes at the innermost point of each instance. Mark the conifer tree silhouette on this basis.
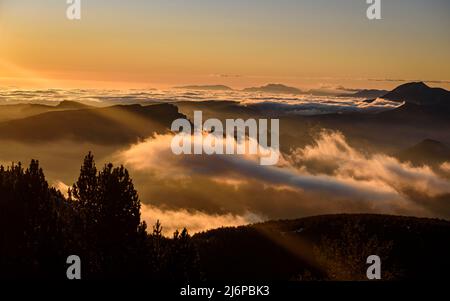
(109, 207)
(99, 221)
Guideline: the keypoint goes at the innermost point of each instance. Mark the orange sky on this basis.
(239, 43)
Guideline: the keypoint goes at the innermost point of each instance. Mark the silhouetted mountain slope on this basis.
(429, 107)
(19, 111)
(419, 94)
(425, 114)
(422, 104)
(369, 94)
(426, 152)
(16, 111)
(71, 105)
(111, 125)
(217, 109)
(417, 114)
(274, 88)
(327, 247)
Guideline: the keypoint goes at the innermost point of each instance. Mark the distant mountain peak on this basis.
(366, 93)
(428, 151)
(414, 85)
(419, 93)
(274, 88)
(69, 104)
(420, 84)
(431, 145)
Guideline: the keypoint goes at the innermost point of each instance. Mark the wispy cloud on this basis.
(195, 221)
(328, 177)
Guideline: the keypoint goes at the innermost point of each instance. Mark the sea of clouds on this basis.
(305, 104)
(207, 191)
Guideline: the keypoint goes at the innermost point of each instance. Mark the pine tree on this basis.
(84, 198)
(184, 258)
(32, 241)
(158, 252)
(109, 209)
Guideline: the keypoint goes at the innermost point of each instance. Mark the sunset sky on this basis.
(152, 43)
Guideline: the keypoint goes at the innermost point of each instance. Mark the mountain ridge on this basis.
(366, 93)
(306, 248)
(111, 125)
(274, 88)
(420, 94)
(428, 151)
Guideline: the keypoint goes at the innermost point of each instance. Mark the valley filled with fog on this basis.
(339, 153)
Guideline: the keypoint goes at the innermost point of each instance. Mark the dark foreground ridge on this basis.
(329, 247)
(100, 222)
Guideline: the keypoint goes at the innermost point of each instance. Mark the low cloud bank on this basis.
(304, 104)
(194, 221)
(328, 176)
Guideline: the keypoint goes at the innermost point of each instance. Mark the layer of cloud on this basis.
(329, 176)
(446, 167)
(272, 103)
(62, 187)
(155, 154)
(195, 221)
(315, 105)
(332, 154)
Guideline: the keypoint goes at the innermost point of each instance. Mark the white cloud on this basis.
(62, 187)
(332, 151)
(446, 167)
(195, 221)
(328, 177)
